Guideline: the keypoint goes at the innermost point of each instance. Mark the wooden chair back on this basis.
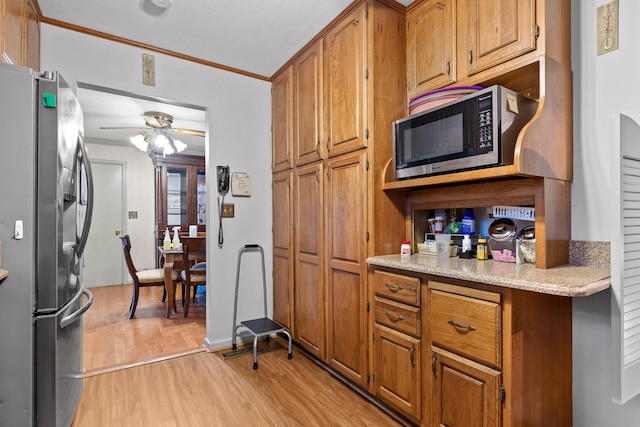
(126, 247)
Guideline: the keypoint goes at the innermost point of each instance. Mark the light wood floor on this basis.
(113, 341)
(203, 390)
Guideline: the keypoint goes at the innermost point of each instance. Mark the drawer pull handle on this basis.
(412, 355)
(459, 326)
(394, 317)
(434, 359)
(394, 288)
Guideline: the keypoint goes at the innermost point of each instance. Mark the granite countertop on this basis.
(566, 280)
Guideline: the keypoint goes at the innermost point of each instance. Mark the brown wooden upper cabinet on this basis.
(344, 79)
(307, 76)
(448, 40)
(282, 121)
(431, 50)
(20, 32)
(497, 31)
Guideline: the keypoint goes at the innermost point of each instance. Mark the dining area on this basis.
(183, 263)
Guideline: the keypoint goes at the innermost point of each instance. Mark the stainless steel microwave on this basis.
(475, 131)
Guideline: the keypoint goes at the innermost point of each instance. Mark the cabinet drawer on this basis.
(466, 325)
(401, 317)
(397, 287)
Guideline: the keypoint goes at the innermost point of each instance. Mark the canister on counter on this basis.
(502, 240)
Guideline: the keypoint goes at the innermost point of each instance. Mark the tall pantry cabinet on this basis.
(348, 87)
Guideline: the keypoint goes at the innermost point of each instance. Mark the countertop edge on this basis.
(539, 281)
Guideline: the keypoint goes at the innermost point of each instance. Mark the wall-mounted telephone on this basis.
(223, 179)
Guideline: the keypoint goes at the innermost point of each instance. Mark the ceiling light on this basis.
(161, 142)
(140, 141)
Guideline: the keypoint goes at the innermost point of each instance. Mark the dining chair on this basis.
(151, 277)
(194, 256)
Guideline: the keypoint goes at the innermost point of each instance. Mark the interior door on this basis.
(103, 258)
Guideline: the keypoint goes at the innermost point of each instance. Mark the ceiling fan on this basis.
(159, 134)
(157, 120)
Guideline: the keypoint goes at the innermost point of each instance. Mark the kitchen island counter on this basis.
(565, 280)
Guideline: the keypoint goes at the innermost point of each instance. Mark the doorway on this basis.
(103, 260)
(125, 178)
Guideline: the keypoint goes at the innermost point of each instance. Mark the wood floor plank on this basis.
(112, 340)
(204, 390)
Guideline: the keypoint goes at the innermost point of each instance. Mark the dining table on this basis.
(170, 256)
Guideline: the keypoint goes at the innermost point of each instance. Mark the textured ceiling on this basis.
(257, 36)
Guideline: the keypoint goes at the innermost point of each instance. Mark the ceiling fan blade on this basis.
(190, 132)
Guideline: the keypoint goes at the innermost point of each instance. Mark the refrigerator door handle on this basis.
(66, 321)
(87, 219)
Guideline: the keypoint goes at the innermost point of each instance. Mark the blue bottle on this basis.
(468, 223)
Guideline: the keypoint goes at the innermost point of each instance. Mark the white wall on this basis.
(238, 134)
(140, 197)
(603, 86)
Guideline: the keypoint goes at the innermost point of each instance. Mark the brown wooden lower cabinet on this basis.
(454, 353)
(398, 370)
(464, 393)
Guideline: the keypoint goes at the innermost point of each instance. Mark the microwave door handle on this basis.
(82, 155)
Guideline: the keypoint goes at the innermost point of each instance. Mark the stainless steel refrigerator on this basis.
(45, 212)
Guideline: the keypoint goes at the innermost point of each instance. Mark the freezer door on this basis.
(59, 363)
(64, 193)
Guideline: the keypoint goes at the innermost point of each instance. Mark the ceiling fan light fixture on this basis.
(140, 142)
(161, 141)
(180, 146)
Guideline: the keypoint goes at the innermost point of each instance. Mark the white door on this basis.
(103, 258)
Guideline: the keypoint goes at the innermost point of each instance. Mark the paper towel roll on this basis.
(193, 231)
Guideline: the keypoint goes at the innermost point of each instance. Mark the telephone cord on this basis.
(220, 233)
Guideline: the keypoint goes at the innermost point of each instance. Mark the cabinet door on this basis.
(283, 249)
(397, 370)
(32, 59)
(498, 30)
(344, 84)
(465, 393)
(346, 270)
(309, 285)
(12, 30)
(307, 74)
(282, 120)
(431, 51)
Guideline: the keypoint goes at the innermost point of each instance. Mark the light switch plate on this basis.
(228, 210)
(608, 27)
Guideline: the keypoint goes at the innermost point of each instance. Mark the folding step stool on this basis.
(263, 327)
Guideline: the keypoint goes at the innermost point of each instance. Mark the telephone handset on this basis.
(223, 179)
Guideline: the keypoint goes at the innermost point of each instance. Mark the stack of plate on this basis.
(437, 97)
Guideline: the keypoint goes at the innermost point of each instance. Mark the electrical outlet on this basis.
(608, 27)
(228, 210)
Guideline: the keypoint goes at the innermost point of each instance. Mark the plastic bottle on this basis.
(166, 243)
(466, 243)
(175, 244)
(482, 251)
(405, 248)
(468, 223)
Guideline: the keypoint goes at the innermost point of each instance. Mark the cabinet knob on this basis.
(118, 231)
